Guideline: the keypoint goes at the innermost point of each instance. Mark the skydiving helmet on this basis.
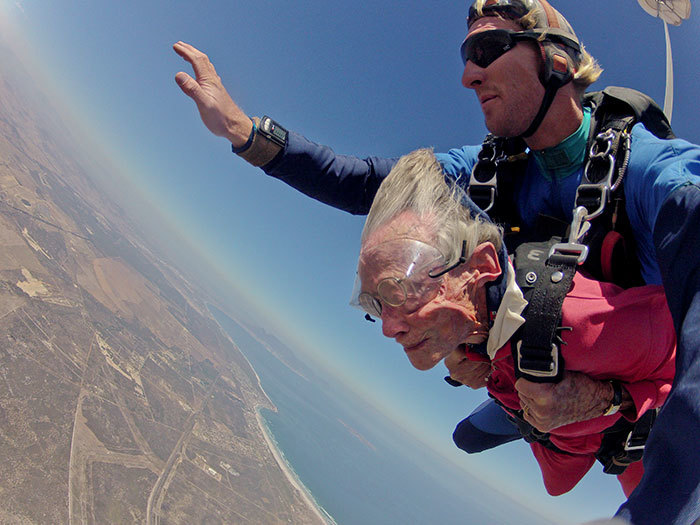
(559, 45)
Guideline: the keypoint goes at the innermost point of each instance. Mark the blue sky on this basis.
(380, 79)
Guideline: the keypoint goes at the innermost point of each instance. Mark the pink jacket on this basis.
(626, 335)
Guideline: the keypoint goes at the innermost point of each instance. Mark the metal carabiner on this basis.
(579, 225)
(607, 179)
(573, 247)
(606, 137)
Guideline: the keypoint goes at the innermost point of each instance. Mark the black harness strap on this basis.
(529, 433)
(497, 157)
(610, 239)
(624, 442)
(545, 277)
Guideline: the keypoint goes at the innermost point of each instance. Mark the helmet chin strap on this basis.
(558, 70)
(549, 94)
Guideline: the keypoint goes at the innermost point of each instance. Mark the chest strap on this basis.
(622, 444)
(545, 271)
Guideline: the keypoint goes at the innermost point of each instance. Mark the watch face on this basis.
(279, 133)
(273, 131)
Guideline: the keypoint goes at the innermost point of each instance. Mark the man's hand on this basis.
(219, 112)
(470, 373)
(576, 398)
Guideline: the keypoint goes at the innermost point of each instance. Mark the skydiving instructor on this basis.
(529, 72)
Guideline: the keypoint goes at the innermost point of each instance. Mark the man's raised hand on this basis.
(220, 114)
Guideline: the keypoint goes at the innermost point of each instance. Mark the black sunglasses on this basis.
(485, 47)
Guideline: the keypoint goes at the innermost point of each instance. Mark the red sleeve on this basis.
(474, 356)
(626, 335)
(658, 361)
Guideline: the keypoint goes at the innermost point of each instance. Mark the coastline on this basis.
(290, 474)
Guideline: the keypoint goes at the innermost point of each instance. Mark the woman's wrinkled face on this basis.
(436, 315)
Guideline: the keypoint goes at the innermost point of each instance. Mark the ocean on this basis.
(358, 467)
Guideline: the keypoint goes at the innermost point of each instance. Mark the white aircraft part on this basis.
(670, 11)
(668, 98)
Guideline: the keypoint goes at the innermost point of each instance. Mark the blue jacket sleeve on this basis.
(459, 162)
(656, 169)
(344, 182)
(670, 489)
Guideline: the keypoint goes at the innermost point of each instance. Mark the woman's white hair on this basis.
(417, 184)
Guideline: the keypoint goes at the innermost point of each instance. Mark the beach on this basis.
(323, 516)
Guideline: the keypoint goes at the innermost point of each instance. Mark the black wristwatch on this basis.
(616, 400)
(272, 131)
(266, 140)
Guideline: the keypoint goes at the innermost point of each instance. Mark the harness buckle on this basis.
(573, 248)
(578, 227)
(605, 140)
(635, 442)
(567, 250)
(482, 193)
(553, 363)
(483, 179)
(594, 191)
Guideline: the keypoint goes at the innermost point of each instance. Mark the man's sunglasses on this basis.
(485, 47)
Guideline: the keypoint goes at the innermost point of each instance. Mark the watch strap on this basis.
(248, 142)
(616, 400)
(261, 150)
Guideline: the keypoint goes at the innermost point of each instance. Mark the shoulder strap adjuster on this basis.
(624, 443)
(482, 181)
(535, 362)
(495, 154)
(483, 194)
(635, 442)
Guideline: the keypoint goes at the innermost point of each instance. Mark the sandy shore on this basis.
(288, 472)
(291, 476)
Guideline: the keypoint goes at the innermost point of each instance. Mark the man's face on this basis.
(509, 89)
(428, 331)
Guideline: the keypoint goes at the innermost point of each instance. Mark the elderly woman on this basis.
(436, 275)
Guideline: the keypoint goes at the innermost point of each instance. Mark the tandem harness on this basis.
(604, 229)
(545, 275)
(599, 240)
(622, 444)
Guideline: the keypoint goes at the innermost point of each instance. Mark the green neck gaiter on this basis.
(566, 157)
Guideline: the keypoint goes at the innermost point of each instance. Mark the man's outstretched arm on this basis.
(344, 182)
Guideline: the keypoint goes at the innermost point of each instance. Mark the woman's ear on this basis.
(484, 264)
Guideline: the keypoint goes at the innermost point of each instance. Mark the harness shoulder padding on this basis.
(614, 102)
